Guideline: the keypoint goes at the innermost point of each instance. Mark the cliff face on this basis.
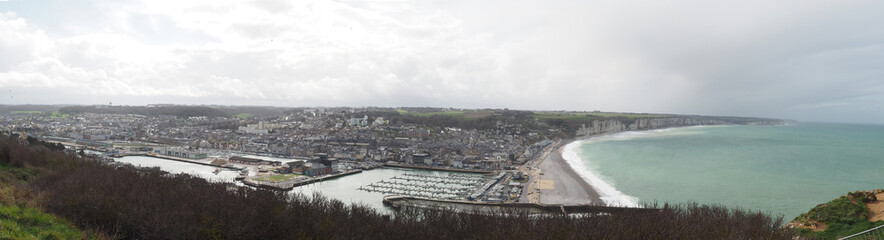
(597, 127)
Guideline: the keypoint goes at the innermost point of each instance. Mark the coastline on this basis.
(560, 184)
(556, 181)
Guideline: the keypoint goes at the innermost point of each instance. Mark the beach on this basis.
(553, 181)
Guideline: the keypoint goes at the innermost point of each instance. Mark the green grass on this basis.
(628, 115)
(456, 114)
(243, 115)
(30, 223)
(842, 216)
(10, 174)
(841, 210)
(278, 178)
(449, 113)
(548, 116)
(25, 112)
(583, 115)
(58, 114)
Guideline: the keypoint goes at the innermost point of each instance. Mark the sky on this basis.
(805, 60)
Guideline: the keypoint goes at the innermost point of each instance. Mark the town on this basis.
(497, 151)
(306, 145)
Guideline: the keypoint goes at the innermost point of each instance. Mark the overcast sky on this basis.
(805, 60)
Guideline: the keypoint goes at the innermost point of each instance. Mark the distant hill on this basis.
(255, 111)
(28, 107)
(172, 110)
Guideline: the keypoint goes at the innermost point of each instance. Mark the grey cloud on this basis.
(791, 59)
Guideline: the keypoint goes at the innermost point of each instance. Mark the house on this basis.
(315, 168)
(420, 158)
(458, 163)
(181, 153)
(292, 167)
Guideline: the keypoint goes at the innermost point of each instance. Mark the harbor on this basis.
(356, 186)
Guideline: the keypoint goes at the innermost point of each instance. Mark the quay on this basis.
(289, 185)
(399, 165)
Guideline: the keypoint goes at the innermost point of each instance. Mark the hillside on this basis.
(843, 216)
(172, 110)
(567, 124)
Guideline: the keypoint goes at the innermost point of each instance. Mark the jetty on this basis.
(397, 202)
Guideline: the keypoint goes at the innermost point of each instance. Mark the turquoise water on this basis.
(781, 170)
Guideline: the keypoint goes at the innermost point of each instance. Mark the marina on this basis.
(350, 187)
(477, 188)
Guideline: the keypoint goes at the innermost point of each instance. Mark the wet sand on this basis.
(560, 184)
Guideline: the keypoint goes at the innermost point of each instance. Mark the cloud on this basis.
(754, 58)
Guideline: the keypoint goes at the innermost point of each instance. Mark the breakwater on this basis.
(397, 202)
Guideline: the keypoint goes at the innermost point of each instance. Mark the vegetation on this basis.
(177, 111)
(50, 146)
(462, 114)
(93, 195)
(243, 115)
(17, 168)
(257, 111)
(57, 114)
(25, 112)
(592, 115)
(28, 107)
(843, 216)
(29, 223)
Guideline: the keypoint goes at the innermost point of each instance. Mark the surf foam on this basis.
(610, 195)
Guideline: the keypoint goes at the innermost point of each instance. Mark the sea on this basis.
(779, 170)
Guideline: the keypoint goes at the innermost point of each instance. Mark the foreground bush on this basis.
(150, 205)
